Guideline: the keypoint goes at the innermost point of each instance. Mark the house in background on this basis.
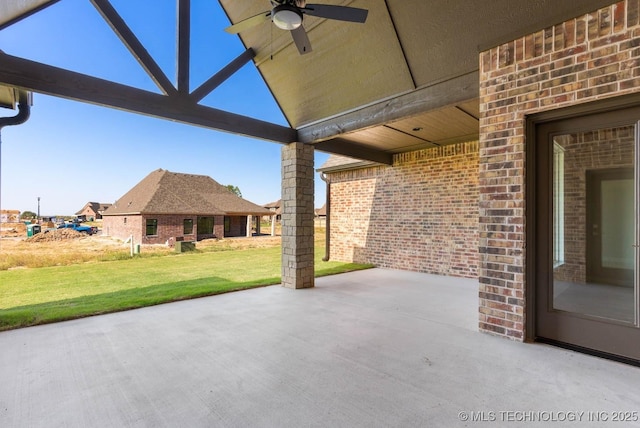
(321, 215)
(168, 206)
(275, 207)
(92, 211)
(9, 216)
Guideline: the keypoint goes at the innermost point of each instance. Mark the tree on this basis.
(28, 215)
(235, 190)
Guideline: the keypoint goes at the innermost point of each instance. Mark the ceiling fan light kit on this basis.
(288, 15)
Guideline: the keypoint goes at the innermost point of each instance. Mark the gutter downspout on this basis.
(24, 111)
(327, 242)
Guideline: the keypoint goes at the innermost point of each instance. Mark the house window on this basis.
(152, 226)
(227, 224)
(188, 226)
(205, 225)
(558, 205)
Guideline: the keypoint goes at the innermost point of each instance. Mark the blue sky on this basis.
(69, 153)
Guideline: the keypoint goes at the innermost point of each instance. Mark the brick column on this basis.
(297, 216)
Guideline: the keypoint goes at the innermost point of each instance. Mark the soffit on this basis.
(404, 47)
(12, 11)
(449, 125)
(8, 97)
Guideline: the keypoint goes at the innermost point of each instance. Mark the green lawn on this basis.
(44, 295)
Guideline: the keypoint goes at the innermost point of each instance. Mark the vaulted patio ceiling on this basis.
(406, 79)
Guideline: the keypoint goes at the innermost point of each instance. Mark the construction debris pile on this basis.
(56, 235)
(12, 230)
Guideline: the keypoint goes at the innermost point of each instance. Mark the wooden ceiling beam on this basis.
(134, 45)
(344, 147)
(184, 44)
(440, 95)
(37, 77)
(222, 75)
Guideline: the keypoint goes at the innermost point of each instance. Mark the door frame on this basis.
(607, 111)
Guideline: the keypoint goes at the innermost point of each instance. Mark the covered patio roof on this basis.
(404, 80)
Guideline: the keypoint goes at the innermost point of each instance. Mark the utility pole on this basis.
(38, 209)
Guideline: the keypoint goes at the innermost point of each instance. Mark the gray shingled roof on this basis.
(166, 192)
(97, 207)
(275, 204)
(277, 207)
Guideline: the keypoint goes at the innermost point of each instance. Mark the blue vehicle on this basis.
(78, 227)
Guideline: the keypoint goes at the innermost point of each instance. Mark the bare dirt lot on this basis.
(65, 247)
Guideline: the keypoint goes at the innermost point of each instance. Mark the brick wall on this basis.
(584, 59)
(218, 226)
(237, 226)
(89, 214)
(121, 227)
(170, 227)
(421, 214)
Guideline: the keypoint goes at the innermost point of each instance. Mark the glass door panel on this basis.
(584, 232)
(593, 224)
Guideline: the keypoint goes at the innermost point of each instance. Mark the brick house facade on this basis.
(420, 214)
(584, 59)
(166, 206)
(92, 211)
(170, 228)
(461, 210)
(123, 227)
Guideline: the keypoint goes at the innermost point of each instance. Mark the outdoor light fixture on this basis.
(287, 17)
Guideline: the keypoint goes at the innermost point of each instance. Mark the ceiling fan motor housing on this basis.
(286, 17)
(296, 3)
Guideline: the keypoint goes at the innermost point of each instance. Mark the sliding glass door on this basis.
(586, 223)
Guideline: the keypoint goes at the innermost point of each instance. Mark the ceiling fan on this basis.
(288, 15)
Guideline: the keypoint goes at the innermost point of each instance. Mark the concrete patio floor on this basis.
(363, 349)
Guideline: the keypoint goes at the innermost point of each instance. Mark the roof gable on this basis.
(95, 207)
(275, 204)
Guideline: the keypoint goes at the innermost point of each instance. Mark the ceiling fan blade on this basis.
(301, 39)
(245, 24)
(341, 13)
